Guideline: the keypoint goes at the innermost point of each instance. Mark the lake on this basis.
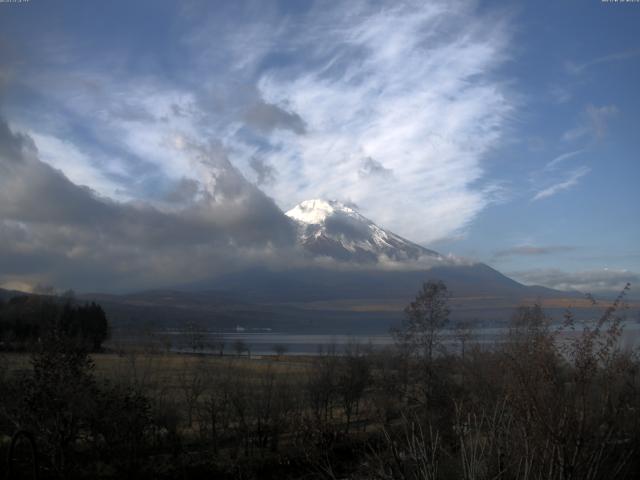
(264, 343)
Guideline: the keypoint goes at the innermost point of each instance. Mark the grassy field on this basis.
(169, 368)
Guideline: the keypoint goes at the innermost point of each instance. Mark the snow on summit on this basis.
(332, 229)
(316, 211)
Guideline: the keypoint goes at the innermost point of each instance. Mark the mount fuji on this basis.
(357, 277)
(366, 263)
(333, 229)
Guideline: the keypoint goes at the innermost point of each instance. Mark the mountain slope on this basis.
(370, 263)
(373, 274)
(332, 229)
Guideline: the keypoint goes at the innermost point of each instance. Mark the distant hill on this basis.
(358, 280)
(369, 277)
(313, 284)
(7, 294)
(321, 300)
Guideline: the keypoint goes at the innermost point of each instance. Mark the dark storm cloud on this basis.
(33, 191)
(55, 231)
(265, 172)
(14, 146)
(184, 191)
(267, 117)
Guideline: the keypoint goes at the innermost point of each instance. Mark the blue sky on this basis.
(503, 133)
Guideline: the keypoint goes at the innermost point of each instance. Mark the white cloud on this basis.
(572, 180)
(599, 117)
(535, 250)
(66, 156)
(411, 85)
(578, 68)
(589, 281)
(562, 158)
(594, 125)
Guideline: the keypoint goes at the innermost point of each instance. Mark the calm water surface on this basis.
(264, 343)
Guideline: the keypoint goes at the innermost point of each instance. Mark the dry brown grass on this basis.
(114, 366)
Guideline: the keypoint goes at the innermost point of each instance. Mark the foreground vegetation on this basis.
(540, 404)
(26, 319)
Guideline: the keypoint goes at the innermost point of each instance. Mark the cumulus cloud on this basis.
(185, 191)
(56, 232)
(265, 172)
(589, 281)
(129, 172)
(412, 86)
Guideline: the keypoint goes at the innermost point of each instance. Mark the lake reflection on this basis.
(265, 343)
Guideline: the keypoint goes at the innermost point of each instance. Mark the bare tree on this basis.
(195, 337)
(240, 347)
(321, 388)
(409, 453)
(215, 414)
(353, 378)
(463, 333)
(571, 393)
(218, 342)
(425, 318)
(193, 384)
(280, 349)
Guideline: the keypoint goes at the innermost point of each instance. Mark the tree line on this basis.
(549, 400)
(26, 320)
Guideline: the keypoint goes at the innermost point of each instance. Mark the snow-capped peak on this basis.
(332, 229)
(316, 211)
